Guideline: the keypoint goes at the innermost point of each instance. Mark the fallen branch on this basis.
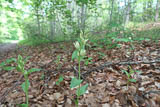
(119, 63)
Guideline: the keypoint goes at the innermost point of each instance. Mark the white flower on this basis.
(76, 44)
(82, 52)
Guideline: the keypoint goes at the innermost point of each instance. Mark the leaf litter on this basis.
(107, 85)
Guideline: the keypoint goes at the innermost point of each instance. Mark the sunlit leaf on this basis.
(74, 54)
(25, 87)
(128, 75)
(83, 90)
(59, 80)
(132, 80)
(8, 68)
(2, 64)
(22, 105)
(10, 60)
(33, 70)
(75, 82)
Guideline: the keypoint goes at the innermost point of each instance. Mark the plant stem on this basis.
(26, 89)
(79, 77)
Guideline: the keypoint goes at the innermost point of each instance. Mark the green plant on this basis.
(129, 75)
(59, 80)
(20, 68)
(57, 61)
(79, 54)
(88, 61)
(4, 64)
(42, 76)
(101, 55)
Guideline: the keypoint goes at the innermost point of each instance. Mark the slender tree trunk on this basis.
(111, 11)
(127, 18)
(83, 19)
(119, 13)
(157, 11)
(144, 11)
(52, 28)
(38, 23)
(149, 8)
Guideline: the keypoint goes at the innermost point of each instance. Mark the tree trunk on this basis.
(83, 18)
(38, 23)
(127, 18)
(157, 11)
(149, 8)
(52, 28)
(111, 11)
(144, 11)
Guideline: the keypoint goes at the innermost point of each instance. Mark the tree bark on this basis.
(111, 11)
(157, 11)
(38, 23)
(127, 18)
(149, 8)
(52, 28)
(83, 18)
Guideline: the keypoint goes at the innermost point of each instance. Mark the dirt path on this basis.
(5, 47)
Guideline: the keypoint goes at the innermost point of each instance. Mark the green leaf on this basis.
(2, 64)
(75, 82)
(10, 60)
(20, 58)
(59, 80)
(76, 101)
(33, 70)
(24, 87)
(18, 69)
(23, 105)
(83, 90)
(86, 62)
(132, 80)
(8, 68)
(128, 75)
(90, 58)
(74, 54)
(26, 59)
(137, 71)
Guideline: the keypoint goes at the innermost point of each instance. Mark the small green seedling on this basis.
(101, 55)
(20, 68)
(79, 54)
(42, 76)
(59, 80)
(57, 61)
(4, 64)
(88, 61)
(129, 75)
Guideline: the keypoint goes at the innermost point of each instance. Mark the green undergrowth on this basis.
(153, 34)
(33, 42)
(41, 41)
(110, 36)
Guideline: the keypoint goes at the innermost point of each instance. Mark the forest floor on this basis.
(108, 85)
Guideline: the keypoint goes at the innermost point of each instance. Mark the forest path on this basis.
(5, 47)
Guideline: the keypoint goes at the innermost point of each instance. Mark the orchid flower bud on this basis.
(82, 52)
(76, 44)
(85, 40)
